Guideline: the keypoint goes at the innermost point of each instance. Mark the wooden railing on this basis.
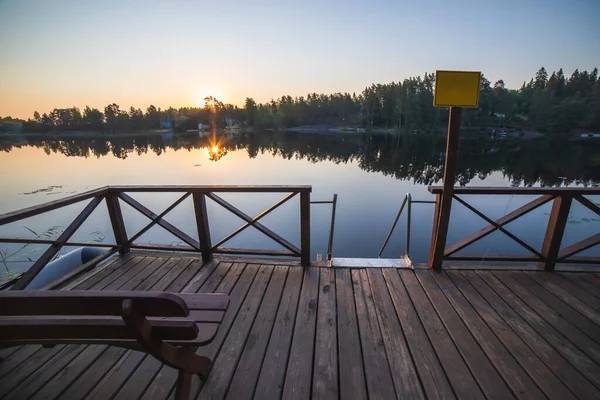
(551, 252)
(113, 195)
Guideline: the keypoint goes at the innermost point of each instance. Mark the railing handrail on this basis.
(550, 253)
(113, 195)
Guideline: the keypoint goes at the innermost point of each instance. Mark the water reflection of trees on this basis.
(418, 158)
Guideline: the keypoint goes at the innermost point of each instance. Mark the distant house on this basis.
(10, 126)
(499, 115)
(165, 125)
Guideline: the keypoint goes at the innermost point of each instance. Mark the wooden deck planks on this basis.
(561, 343)
(432, 375)
(481, 367)
(532, 365)
(404, 374)
(351, 364)
(325, 375)
(563, 369)
(248, 368)
(377, 369)
(463, 383)
(272, 373)
(298, 378)
(293, 332)
(224, 366)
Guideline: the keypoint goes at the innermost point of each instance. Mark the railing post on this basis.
(443, 219)
(436, 215)
(555, 231)
(305, 228)
(203, 226)
(331, 229)
(116, 220)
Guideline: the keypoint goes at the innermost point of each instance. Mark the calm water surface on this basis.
(370, 175)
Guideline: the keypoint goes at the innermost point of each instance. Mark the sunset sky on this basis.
(60, 53)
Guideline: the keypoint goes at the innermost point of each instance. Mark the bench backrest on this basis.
(50, 314)
(55, 302)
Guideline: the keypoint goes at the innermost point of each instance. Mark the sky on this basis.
(63, 53)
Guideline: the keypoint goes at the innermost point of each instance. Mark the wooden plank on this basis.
(108, 274)
(298, 377)
(246, 374)
(554, 284)
(121, 372)
(563, 369)
(499, 222)
(351, 366)
(15, 360)
(434, 380)
(166, 225)
(461, 379)
(224, 366)
(574, 290)
(62, 380)
(405, 377)
(491, 383)
(256, 225)
(557, 221)
(304, 229)
(272, 373)
(111, 262)
(211, 188)
(213, 278)
(192, 270)
(325, 375)
(567, 339)
(532, 365)
(53, 250)
(13, 216)
(567, 312)
(81, 387)
(377, 369)
(582, 281)
(29, 386)
(571, 191)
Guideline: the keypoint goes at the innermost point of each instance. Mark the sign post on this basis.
(454, 89)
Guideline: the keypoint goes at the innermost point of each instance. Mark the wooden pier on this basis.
(295, 329)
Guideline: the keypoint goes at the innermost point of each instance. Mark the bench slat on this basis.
(104, 327)
(86, 302)
(206, 333)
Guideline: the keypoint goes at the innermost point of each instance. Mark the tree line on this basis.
(551, 103)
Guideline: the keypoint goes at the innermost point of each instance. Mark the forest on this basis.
(549, 102)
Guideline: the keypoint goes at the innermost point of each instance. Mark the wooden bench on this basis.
(168, 326)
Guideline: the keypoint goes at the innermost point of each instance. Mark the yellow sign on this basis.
(456, 89)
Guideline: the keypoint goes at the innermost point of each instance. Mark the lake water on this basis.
(370, 174)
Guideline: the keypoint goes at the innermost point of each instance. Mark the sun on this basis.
(202, 94)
